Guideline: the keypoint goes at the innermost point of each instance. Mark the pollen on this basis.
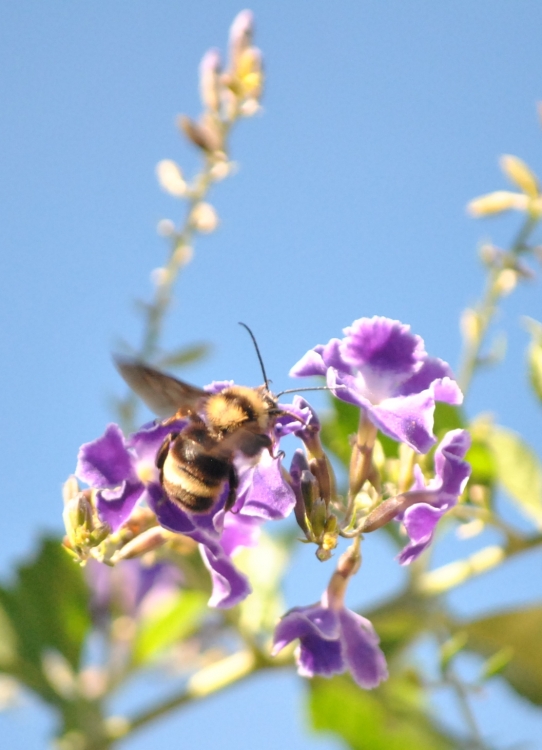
(146, 472)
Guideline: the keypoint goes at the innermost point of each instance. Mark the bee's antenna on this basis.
(266, 379)
(317, 388)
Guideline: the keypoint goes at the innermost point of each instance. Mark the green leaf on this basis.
(534, 355)
(184, 356)
(483, 463)
(47, 606)
(388, 718)
(174, 620)
(519, 633)
(534, 359)
(8, 642)
(398, 622)
(519, 471)
(447, 417)
(337, 428)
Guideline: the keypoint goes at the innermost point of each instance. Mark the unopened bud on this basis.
(241, 32)
(489, 254)
(77, 517)
(204, 218)
(170, 178)
(70, 489)
(183, 254)
(520, 174)
(204, 135)
(506, 281)
(495, 203)
(221, 169)
(160, 276)
(209, 77)
(310, 491)
(470, 325)
(165, 228)
(318, 516)
(146, 542)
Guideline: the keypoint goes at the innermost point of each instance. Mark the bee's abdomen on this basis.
(192, 477)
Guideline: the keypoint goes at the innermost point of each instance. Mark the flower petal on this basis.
(449, 464)
(364, 659)
(408, 419)
(317, 656)
(230, 586)
(437, 375)
(381, 344)
(115, 506)
(105, 462)
(263, 491)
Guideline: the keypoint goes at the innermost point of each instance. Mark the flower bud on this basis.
(241, 32)
(170, 178)
(519, 173)
(209, 73)
(148, 541)
(70, 489)
(318, 517)
(506, 281)
(204, 218)
(165, 228)
(205, 135)
(470, 325)
(497, 202)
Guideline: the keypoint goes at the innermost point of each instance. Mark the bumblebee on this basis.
(196, 463)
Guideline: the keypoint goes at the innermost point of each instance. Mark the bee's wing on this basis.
(249, 442)
(163, 394)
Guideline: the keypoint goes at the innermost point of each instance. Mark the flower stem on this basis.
(232, 669)
(487, 307)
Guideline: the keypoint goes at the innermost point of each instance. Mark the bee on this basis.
(196, 462)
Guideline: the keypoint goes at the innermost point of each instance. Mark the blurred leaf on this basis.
(172, 621)
(265, 564)
(8, 642)
(184, 356)
(519, 471)
(47, 606)
(447, 417)
(337, 428)
(388, 718)
(496, 663)
(398, 622)
(521, 632)
(451, 647)
(534, 358)
(482, 461)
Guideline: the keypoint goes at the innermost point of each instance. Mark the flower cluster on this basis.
(381, 368)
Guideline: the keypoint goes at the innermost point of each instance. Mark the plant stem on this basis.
(228, 671)
(487, 308)
(461, 692)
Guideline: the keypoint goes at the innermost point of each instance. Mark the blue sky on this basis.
(381, 121)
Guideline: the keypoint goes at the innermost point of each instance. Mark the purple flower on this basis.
(124, 472)
(384, 369)
(263, 495)
(129, 588)
(332, 640)
(438, 496)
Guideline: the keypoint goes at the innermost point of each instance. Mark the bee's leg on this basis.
(233, 481)
(164, 450)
